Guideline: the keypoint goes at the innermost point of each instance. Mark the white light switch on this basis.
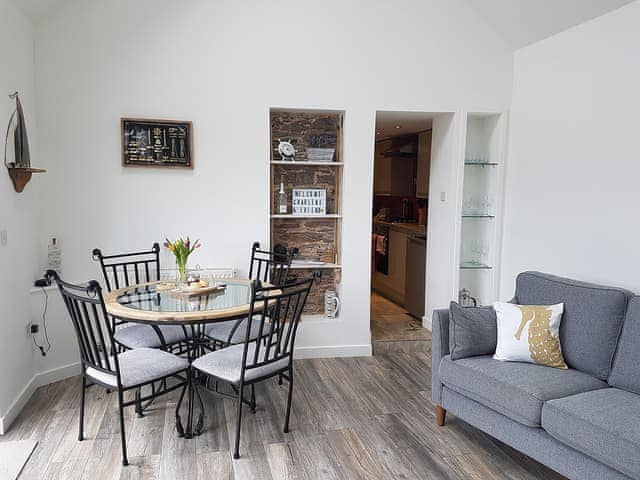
(443, 196)
(3, 237)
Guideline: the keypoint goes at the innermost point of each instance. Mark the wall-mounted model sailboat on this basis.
(17, 158)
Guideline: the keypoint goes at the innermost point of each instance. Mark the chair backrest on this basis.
(85, 305)
(267, 266)
(125, 269)
(282, 307)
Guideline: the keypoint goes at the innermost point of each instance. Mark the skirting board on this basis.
(333, 351)
(426, 323)
(38, 380)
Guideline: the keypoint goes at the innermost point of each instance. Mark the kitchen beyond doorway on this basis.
(402, 164)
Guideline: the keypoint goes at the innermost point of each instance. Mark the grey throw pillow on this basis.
(472, 331)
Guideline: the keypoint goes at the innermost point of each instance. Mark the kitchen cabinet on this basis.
(392, 175)
(424, 164)
(393, 285)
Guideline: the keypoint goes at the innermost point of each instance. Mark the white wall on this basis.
(19, 262)
(572, 177)
(222, 64)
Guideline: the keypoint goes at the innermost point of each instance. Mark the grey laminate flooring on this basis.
(360, 418)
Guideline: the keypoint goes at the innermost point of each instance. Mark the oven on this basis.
(381, 249)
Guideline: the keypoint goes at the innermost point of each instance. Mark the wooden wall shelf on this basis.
(21, 176)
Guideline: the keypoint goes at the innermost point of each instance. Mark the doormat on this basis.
(14, 456)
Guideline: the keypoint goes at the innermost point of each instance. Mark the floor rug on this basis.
(14, 456)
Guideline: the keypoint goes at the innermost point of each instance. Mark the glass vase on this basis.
(181, 273)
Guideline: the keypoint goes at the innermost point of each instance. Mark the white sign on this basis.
(309, 201)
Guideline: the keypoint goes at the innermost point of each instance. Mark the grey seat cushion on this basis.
(141, 365)
(603, 424)
(220, 331)
(626, 372)
(517, 390)
(591, 322)
(138, 335)
(226, 364)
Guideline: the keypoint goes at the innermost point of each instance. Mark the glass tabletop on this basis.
(150, 298)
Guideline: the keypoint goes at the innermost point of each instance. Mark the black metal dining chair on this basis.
(253, 361)
(126, 269)
(265, 266)
(102, 363)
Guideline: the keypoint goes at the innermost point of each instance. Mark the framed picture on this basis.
(309, 201)
(156, 143)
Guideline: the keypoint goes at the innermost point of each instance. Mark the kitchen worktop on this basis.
(409, 228)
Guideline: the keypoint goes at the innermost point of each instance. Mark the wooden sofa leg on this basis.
(441, 414)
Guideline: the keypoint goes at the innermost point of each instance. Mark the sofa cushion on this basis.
(625, 373)
(517, 390)
(592, 319)
(602, 424)
(472, 331)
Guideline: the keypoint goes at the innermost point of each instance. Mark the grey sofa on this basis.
(583, 422)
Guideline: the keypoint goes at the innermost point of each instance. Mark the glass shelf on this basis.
(474, 266)
(480, 164)
(477, 215)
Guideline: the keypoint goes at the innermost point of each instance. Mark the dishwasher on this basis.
(415, 271)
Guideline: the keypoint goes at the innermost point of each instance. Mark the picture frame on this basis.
(156, 143)
(309, 201)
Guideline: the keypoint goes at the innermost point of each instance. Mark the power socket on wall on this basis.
(32, 329)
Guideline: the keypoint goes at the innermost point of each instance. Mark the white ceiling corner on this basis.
(523, 22)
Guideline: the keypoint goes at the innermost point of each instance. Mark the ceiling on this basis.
(387, 123)
(517, 22)
(523, 22)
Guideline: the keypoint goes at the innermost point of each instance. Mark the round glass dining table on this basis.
(159, 303)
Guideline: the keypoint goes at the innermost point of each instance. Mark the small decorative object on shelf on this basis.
(319, 149)
(286, 151)
(156, 143)
(282, 197)
(465, 299)
(331, 304)
(181, 249)
(309, 201)
(20, 169)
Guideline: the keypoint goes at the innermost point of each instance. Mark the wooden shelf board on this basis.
(288, 215)
(308, 164)
(314, 266)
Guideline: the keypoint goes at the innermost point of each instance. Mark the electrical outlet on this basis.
(32, 329)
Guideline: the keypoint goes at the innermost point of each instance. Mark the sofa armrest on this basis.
(439, 348)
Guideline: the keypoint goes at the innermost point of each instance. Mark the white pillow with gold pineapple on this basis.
(529, 333)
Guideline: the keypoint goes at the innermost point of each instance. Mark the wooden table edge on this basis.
(178, 318)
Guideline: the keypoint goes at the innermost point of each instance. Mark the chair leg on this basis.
(289, 398)
(441, 415)
(236, 453)
(82, 394)
(123, 437)
(138, 402)
(253, 398)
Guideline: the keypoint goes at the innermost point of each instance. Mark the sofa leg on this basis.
(441, 414)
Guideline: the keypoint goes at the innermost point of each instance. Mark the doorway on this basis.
(402, 163)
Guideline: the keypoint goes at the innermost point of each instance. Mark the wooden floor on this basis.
(354, 418)
(394, 330)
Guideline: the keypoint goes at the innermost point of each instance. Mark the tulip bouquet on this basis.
(181, 249)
